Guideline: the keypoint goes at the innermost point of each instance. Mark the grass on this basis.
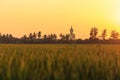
(59, 62)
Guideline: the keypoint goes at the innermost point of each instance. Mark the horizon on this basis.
(25, 16)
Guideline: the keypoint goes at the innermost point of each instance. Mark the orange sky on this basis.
(20, 17)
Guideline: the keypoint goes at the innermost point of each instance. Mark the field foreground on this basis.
(59, 62)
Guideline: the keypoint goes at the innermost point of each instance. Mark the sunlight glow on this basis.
(117, 16)
(20, 17)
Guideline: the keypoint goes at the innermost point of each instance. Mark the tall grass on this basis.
(59, 62)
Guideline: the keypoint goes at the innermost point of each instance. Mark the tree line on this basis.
(38, 38)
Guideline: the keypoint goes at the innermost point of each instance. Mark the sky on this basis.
(20, 17)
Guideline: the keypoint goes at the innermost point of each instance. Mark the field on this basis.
(59, 62)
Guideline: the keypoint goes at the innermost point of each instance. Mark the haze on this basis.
(20, 17)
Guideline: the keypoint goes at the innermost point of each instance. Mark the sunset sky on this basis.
(20, 17)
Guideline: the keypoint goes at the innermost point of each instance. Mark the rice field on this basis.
(59, 62)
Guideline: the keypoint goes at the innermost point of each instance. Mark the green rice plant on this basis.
(59, 62)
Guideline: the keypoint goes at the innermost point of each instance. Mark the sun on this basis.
(115, 9)
(117, 15)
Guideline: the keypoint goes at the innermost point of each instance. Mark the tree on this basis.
(61, 36)
(93, 33)
(34, 35)
(104, 34)
(49, 36)
(45, 36)
(24, 37)
(3, 36)
(67, 37)
(0, 35)
(54, 36)
(39, 35)
(30, 36)
(114, 35)
(10, 36)
(7, 35)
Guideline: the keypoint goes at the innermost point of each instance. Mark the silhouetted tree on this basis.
(7, 35)
(0, 34)
(93, 33)
(114, 35)
(24, 37)
(64, 38)
(45, 36)
(49, 37)
(67, 37)
(54, 36)
(104, 34)
(34, 35)
(30, 36)
(3, 36)
(39, 35)
(61, 36)
(10, 36)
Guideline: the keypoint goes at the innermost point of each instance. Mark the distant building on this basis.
(71, 35)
